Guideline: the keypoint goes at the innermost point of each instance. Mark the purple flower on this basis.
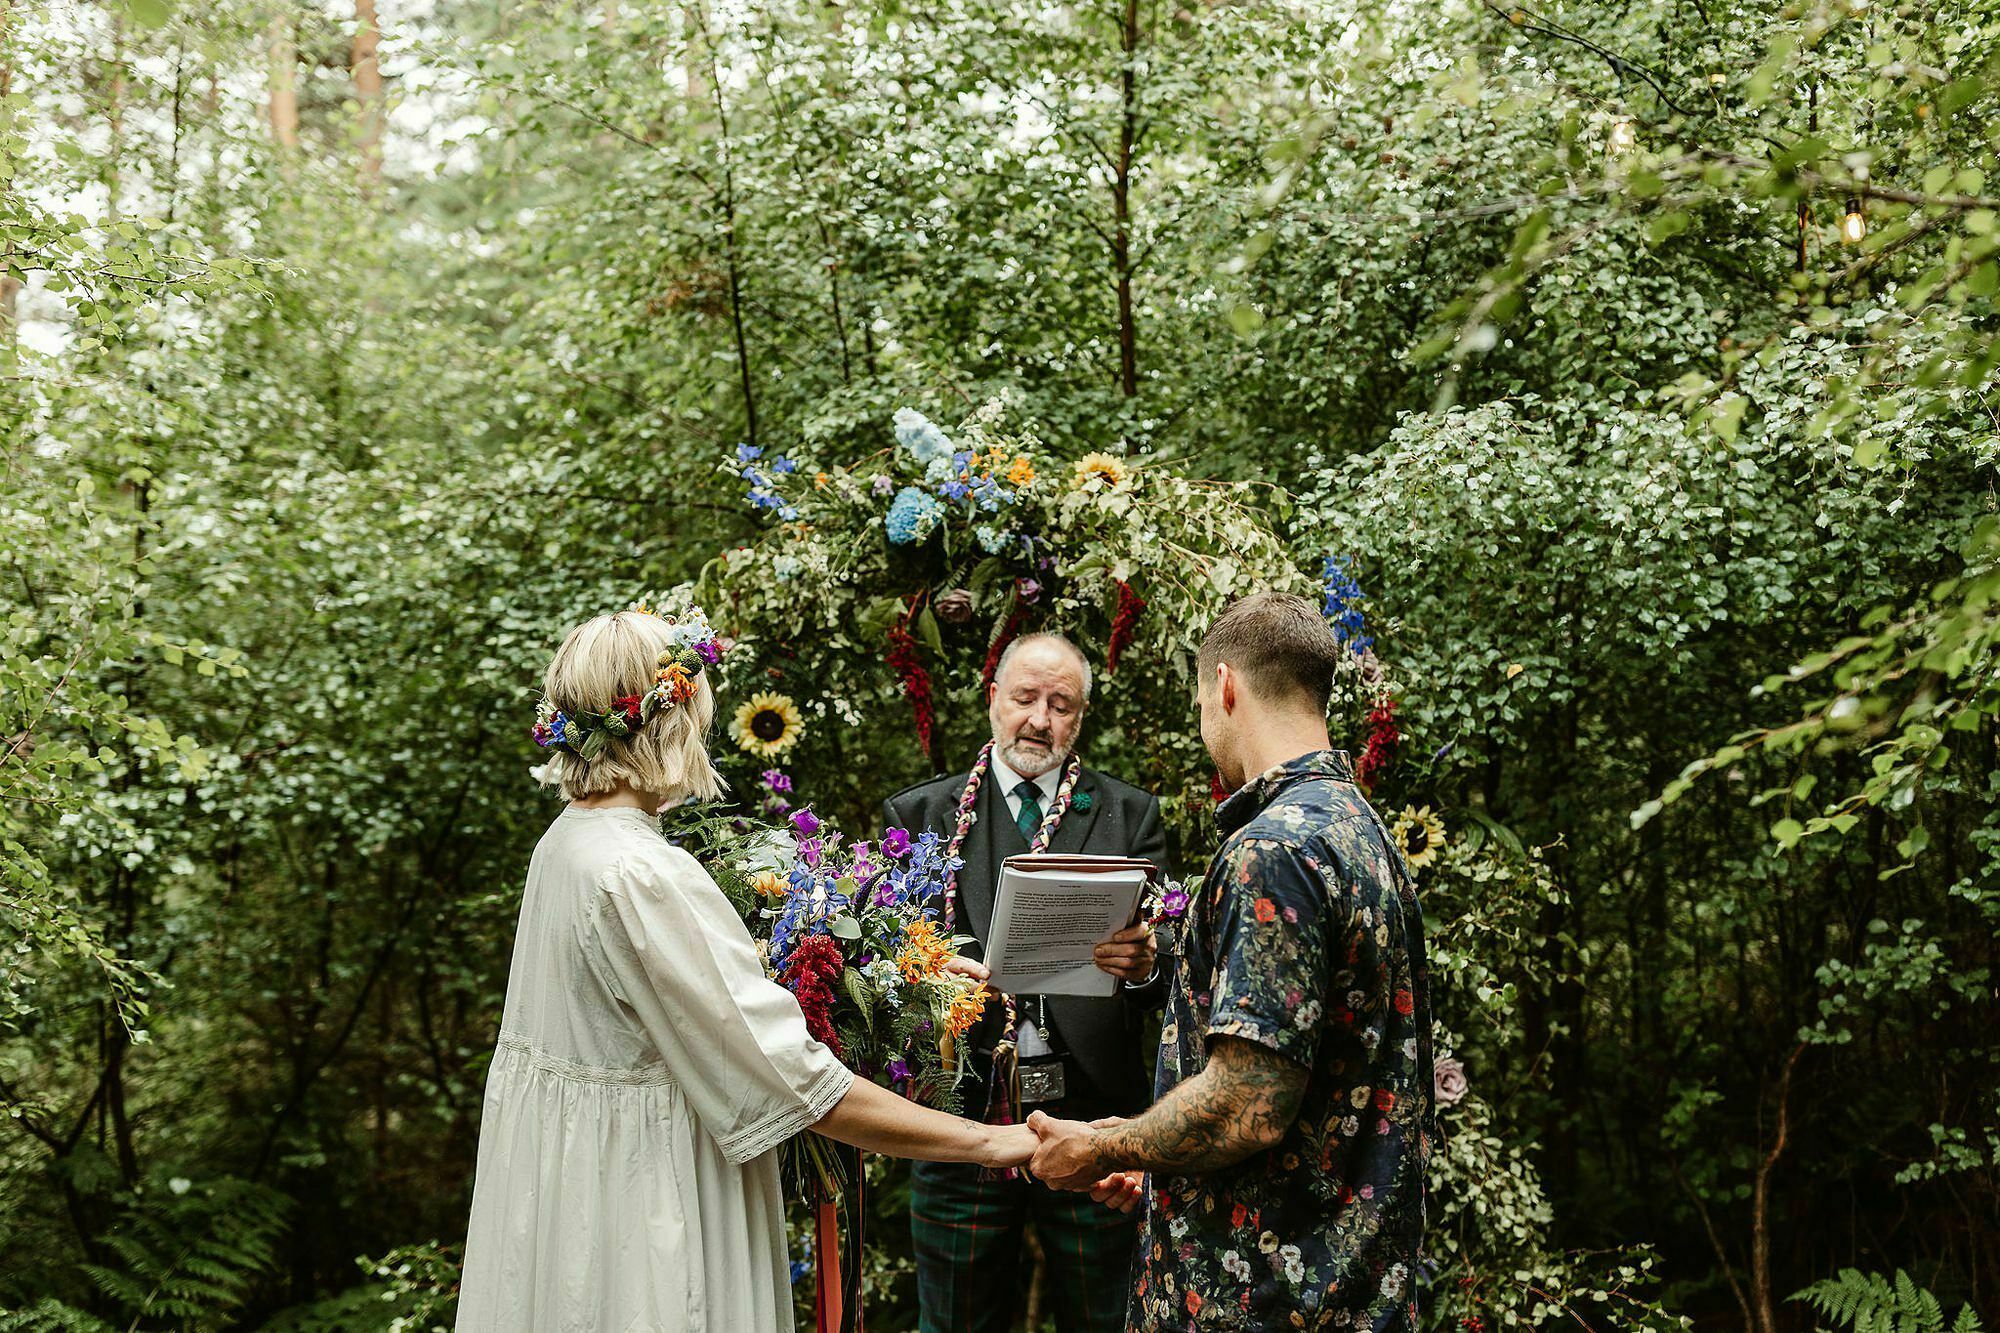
(1029, 589)
(709, 651)
(1174, 905)
(896, 843)
(1448, 1083)
(882, 484)
(778, 781)
(811, 851)
(899, 1072)
(806, 822)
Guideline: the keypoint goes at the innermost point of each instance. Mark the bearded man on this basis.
(1080, 1057)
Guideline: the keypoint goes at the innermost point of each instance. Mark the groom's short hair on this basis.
(1280, 643)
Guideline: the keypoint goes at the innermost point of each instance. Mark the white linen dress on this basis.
(646, 1069)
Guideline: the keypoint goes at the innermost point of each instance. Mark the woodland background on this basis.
(1637, 359)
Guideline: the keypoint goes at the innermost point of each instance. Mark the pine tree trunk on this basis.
(367, 72)
(283, 110)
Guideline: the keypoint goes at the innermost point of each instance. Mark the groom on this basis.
(1286, 1154)
(1080, 1057)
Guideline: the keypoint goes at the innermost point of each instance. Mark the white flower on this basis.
(1295, 1267)
(918, 434)
(1236, 1266)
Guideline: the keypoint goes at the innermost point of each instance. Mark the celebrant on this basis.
(1076, 1057)
(647, 1067)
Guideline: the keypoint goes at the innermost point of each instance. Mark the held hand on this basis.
(1008, 1145)
(1121, 1191)
(1067, 1157)
(1129, 955)
(969, 967)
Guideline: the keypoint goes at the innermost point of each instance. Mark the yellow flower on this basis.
(1099, 467)
(1021, 472)
(769, 883)
(923, 953)
(1419, 835)
(767, 725)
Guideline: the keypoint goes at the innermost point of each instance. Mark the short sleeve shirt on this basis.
(1306, 938)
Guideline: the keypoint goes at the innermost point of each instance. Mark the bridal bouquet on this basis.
(853, 929)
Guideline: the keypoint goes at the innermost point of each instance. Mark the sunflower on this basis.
(1419, 834)
(1099, 467)
(767, 725)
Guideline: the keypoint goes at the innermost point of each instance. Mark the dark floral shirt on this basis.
(1306, 938)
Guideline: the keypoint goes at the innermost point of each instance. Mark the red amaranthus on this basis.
(1380, 749)
(909, 669)
(809, 975)
(1123, 622)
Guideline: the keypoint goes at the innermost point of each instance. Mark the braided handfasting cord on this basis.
(1004, 1066)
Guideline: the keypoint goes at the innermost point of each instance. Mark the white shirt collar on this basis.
(1046, 784)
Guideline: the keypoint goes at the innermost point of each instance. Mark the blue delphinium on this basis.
(912, 516)
(920, 435)
(1343, 605)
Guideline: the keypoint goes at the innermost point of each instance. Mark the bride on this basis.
(647, 1067)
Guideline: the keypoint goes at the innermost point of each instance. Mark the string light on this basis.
(1623, 136)
(1854, 225)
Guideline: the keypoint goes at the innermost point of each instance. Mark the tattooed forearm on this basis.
(1241, 1103)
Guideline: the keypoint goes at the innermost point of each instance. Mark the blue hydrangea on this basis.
(918, 434)
(1342, 607)
(912, 516)
(993, 541)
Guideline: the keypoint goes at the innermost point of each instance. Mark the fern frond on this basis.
(1872, 1303)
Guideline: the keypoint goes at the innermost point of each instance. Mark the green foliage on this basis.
(180, 1257)
(1872, 1303)
(304, 474)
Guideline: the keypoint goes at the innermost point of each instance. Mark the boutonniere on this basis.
(1080, 802)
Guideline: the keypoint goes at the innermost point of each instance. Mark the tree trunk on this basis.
(1121, 204)
(283, 110)
(694, 26)
(10, 285)
(1760, 1203)
(366, 67)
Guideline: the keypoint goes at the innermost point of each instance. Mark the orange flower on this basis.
(966, 1007)
(923, 953)
(769, 883)
(1266, 912)
(680, 685)
(820, 480)
(1021, 472)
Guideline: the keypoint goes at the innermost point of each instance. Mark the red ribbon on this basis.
(826, 1263)
(837, 1284)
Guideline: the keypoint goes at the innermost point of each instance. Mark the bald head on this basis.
(1036, 702)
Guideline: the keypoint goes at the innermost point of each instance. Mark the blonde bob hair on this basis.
(614, 657)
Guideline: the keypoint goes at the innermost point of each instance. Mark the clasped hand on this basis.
(1068, 1159)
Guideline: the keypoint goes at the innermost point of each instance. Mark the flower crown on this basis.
(585, 735)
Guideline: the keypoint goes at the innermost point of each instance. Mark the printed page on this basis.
(1047, 924)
